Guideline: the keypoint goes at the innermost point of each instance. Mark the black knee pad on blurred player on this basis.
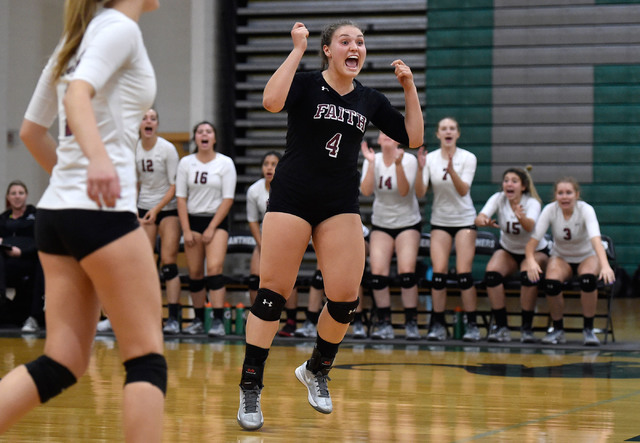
(196, 285)
(439, 280)
(493, 279)
(524, 280)
(169, 271)
(317, 281)
(150, 368)
(588, 282)
(50, 377)
(408, 280)
(268, 305)
(343, 311)
(253, 282)
(465, 280)
(552, 287)
(379, 281)
(215, 282)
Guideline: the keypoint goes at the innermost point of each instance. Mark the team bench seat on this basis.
(486, 244)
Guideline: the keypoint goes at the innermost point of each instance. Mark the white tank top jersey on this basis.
(513, 237)
(571, 238)
(449, 208)
(390, 209)
(157, 169)
(257, 197)
(113, 60)
(205, 185)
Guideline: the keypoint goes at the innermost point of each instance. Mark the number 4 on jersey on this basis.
(333, 145)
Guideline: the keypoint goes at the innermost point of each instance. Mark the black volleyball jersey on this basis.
(324, 132)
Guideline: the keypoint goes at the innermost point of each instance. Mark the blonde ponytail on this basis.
(531, 187)
(77, 15)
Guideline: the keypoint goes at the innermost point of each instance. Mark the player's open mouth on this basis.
(351, 62)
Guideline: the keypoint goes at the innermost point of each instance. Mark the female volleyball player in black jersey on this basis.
(315, 192)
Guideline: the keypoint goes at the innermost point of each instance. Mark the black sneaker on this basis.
(288, 329)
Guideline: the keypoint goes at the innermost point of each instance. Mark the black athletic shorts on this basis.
(395, 232)
(199, 223)
(312, 211)
(79, 232)
(519, 258)
(161, 215)
(453, 230)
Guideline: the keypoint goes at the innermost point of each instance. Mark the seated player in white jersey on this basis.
(518, 207)
(577, 251)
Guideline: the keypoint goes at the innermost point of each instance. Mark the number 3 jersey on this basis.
(513, 237)
(205, 185)
(390, 209)
(572, 237)
(324, 131)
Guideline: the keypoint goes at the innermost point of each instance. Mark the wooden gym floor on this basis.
(399, 391)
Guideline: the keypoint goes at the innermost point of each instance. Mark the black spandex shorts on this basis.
(453, 230)
(395, 232)
(312, 212)
(199, 223)
(161, 215)
(519, 258)
(79, 232)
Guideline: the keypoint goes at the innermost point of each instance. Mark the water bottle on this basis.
(458, 325)
(240, 319)
(226, 318)
(208, 316)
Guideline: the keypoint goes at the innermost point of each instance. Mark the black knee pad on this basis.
(588, 282)
(253, 282)
(524, 280)
(50, 377)
(317, 281)
(552, 287)
(150, 368)
(493, 279)
(268, 305)
(169, 271)
(408, 280)
(343, 311)
(196, 285)
(465, 280)
(439, 280)
(379, 281)
(215, 282)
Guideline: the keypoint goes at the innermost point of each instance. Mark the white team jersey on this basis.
(390, 209)
(449, 208)
(571, 238)
(257, 197)
(205, 185)
(113, 60)
(157, 170)
(513, 237)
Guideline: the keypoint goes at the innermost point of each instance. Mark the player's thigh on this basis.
(126, 281)
(407, 244)
(381, 247)
(72, 311)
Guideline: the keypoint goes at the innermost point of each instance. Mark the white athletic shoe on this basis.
(307, 330)
(104, 325)
(30, 325)
(316, 384)
(249, 413)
